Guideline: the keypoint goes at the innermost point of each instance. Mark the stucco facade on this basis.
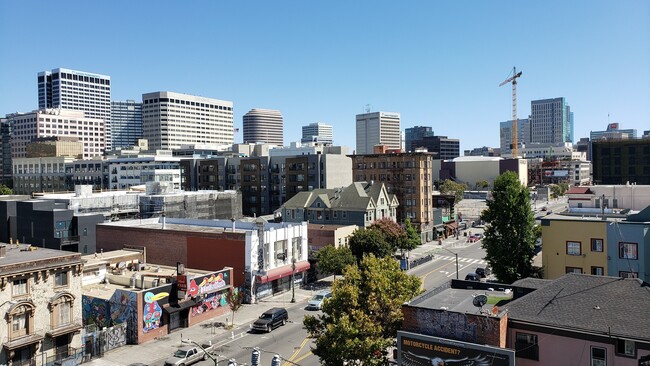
(574, 244)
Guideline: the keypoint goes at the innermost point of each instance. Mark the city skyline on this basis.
(437, 65)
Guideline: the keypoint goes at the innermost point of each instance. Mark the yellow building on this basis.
(574, 244)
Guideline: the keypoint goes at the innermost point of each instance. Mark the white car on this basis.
(316, 303)
(186, 356)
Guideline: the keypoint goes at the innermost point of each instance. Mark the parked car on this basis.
(483, 271)
(271, 319)
(472, 277)
(316, 303)
(186, 356)
(543, 208)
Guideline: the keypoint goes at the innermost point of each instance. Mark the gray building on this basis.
(126, 123)
(377, 128)
(5, 151)
(415, 133)
(360, 203)
(317, 132)
(551, 121)
(263, 125)
(505, 135)
(77, 90)
(613, 132)
(443, 147)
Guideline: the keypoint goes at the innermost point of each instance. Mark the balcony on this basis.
(57, 330)
(70, 240)
(15, 342)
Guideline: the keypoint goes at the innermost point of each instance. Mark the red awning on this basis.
(283, 271)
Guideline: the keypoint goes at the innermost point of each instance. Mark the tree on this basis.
(482, 184)
(509, 239)
(411, 238)
(558, 190)
(393, 233)
(5, 191)
(456, 189)
(332, 260)
(360, 321)
(370, 241)
(234, 299)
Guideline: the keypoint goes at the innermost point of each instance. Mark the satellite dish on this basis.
(479, 301)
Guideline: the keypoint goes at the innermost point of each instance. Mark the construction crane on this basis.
(513, 79)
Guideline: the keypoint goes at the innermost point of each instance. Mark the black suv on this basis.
(271, 318)
(483, 272)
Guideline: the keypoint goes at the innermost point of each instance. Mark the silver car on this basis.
(186, 356)
(316, 303)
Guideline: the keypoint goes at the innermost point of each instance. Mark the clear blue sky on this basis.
(438, 63)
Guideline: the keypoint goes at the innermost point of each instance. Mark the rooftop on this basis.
(22, 257)
(198, 225)
(461, 300)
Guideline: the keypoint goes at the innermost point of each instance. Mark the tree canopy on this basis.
(360, 321)
(5, 191)
(332, 260)
(451, 187)
(411, 238)
(370, 241)
(509, 239)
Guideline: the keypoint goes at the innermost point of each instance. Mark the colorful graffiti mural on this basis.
(207, 284)
(211, 301)
(152, 310)
(95, 311)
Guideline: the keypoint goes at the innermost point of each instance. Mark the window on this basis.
(596, 245)
(19, 325)
(61, 279)
(598, 356)
(20, 287)
(63, 310)
(626, 348)
(573, 270)
(627, 250)
(573, 248)
(597, 271)
(526, 346)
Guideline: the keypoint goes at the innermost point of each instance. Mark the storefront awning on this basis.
(172, 308)
(283, 271)
(451, 225)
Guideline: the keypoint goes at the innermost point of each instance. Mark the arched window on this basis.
(20, 319)
(61, 307)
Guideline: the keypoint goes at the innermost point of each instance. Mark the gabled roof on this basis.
(358, 195)
(600, 304)
(579, 190)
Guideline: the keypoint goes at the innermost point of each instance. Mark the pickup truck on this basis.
(186, 356)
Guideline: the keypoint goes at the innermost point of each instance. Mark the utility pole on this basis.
(456, 254)
(293, 280)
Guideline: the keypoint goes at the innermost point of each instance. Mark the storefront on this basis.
(278, 280)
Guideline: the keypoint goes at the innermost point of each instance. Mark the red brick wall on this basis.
(163, 247)
(213, 254)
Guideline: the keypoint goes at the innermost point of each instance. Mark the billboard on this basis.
(423, 350)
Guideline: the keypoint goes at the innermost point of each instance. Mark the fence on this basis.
(99, 341)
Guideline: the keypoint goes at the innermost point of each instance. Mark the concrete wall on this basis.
(337, 170)
(556, 233)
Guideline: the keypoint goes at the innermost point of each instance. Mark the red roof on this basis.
(579, 190)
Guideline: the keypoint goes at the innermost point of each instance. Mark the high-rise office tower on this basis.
(415, 133)
(77, 90)
(550, 121)
(170, 120)
(126, 122)
(317, 132)
(377, 128)
(505, 134)
(27, 127)
(263, 125)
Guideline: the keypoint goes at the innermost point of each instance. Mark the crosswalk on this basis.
(462, 260)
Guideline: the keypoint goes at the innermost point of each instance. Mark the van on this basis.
(316, 302)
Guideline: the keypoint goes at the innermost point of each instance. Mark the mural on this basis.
(152, 310)
(95, 311)
(123, 310)
(211, 301)
(207, 284)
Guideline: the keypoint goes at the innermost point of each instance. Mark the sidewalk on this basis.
(156, 351)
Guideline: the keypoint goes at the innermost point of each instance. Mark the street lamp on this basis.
(293, 280)
(213, 358)
(456, 254)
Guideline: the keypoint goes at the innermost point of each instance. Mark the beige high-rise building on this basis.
(27, 127)
(408, 176)
(170, 120)
(378, 128)
(263, 125)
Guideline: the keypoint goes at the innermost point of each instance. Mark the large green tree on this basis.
(412, 239)
(360, 321)
(509, 239)
(451, 187)
(370, 241)
(5, 191)
(332, 260)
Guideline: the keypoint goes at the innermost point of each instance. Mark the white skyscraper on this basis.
(77, 90)
(170, 120)
(317, 132)
(377, 128)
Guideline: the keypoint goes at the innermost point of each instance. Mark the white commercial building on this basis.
(124, 173)
(263, 125)
(56, 122)
(77, 90)
(608, 198)
(378, 128)
(170, 120)
(317, 132)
